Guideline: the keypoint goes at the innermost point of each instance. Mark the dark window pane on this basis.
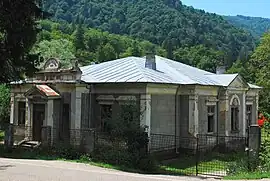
(106, 115)
(210, 123)
(21, 113)
(211, 119)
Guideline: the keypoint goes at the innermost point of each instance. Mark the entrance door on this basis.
(38, 118)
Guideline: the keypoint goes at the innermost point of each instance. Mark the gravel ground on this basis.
(40, 170)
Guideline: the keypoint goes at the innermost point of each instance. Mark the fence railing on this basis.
(200, 155)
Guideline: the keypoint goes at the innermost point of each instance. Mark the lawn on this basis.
(248, 176)
(214, 164)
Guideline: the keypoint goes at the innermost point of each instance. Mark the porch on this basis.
(35, 113)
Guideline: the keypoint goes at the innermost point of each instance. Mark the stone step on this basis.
(30, 144)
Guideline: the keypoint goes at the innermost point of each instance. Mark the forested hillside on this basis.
(256, 25)
(187, 34)
(69, 42)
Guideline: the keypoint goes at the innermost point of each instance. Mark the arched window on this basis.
(235, 114)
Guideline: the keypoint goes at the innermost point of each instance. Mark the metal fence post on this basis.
(197, 155)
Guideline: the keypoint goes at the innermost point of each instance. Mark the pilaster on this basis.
(193, 114)
(12, 108)
(28, 120)
(146, 112)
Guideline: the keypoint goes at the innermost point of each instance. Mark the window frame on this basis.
(103, 119)
(235, 114)
(249, 114)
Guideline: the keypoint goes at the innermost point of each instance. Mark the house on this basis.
(176, 101)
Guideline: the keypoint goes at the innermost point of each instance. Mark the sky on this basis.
(256, 8)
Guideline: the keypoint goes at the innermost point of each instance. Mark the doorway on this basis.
(38, 118)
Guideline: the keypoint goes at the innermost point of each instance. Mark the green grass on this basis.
(187, 166)
(211, 163)
(248, 176)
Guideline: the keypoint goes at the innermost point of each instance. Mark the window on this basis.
(211, 118)
(249, 114)
(106, 115)
(235, 115)
(21, 113)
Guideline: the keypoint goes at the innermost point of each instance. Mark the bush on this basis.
(4, 104)
(126, 142)
(253, 163)
(65, 152)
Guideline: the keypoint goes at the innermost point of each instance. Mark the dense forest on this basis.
(178, 29)
(69, 42)
(256, 25)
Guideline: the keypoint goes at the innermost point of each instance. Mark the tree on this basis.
(165, 23)
(242, 69)
(106, 53)
(79, 38)
(18, 29)
(4, 103)
(62, 49)
(260, 66)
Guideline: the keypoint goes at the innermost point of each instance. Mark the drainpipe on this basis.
(176, 108)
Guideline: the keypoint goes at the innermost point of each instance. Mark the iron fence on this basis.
(200, 155)
(214, 153)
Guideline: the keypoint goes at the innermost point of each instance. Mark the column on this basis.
(75, 132)
(12, 108)
(244, 119)
(193, 115)
(257, 109)
(146, 112)
(223, 115)
(145, 120)
(50, 122)
(28, 120)
(78, 110)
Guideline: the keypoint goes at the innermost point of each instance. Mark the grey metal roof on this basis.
(132, 69)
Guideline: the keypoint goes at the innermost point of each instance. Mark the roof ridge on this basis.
(182, 64)
(138, 67)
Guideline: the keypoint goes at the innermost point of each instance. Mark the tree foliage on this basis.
(256, 25)
(18, 30)
(260, 66)
(4, 103)
(166, 23)
(69, 41)
(62, 49)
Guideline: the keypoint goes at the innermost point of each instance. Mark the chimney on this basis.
(220, 70)
(150, 62)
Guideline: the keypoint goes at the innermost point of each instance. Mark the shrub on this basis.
(126, 142)
(4, 104)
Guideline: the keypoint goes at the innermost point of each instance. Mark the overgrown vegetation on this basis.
(125, 142)
(255, 163)
(4, 104)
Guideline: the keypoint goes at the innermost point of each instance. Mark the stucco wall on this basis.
(184, 115)
(163, 114)
(163, 121)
